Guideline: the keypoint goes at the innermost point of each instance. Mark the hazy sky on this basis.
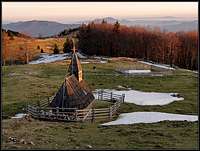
(76, 11)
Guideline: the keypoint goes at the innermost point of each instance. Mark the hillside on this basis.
(17, 45)
(182, 26)
(24, 84)
(14, 33)
(37, 28)
(67, 32)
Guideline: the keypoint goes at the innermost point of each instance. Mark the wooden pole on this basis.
(93, 114)
(110, 113)
(38, 103)
(76, 115)
(101, 94)
(38, 109)
(48, 101)
(123, 96)
(27, 57)
(26, 107)
(57, 112)
(111, 96)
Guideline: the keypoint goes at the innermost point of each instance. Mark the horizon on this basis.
(129, 19)
(66, 12)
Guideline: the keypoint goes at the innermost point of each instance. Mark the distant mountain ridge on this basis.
(167, 23)
(110, 20)
(11, 33)
(36, 28)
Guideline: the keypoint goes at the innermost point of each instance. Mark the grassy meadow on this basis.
(22, 84)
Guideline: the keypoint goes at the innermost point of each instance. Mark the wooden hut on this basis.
(74, 92)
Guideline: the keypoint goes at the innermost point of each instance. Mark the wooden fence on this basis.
(101, 113)
(41, 110)
(109, 96)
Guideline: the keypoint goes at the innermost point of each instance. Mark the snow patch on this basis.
(158, 65)
(19, 115)
(84, 62)
(103, 61)
(81, 55)
(47, 58)
(100, 57)
(195, 71)
(191, 71)
(150, 117)
(145, 98)
(136, 71)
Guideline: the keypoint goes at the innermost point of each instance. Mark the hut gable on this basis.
(73, 94)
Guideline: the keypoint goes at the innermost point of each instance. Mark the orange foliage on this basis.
(138, 42)
(23, 48)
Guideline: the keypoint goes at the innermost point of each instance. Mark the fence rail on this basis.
(43, 111)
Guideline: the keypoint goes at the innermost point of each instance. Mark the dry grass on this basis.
(58, 135)
(124, 59)
(129, 64)
(15, 48)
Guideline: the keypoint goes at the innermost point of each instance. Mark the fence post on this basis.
(123, 96)
(48, 101)
(111, 96)
(57, 112)
(76, 115)
(93, 114)
(101, 94)
(38, 103)
(27, 109)
(38, 109)
(110, 112)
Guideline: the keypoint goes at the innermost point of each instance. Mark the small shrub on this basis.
(67, 46)
(11, 38)
(56, 50)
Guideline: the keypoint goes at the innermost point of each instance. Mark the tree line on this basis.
(151, 44)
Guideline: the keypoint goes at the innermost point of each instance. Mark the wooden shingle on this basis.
(74, 92)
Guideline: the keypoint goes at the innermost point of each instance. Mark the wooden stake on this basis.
(110, 113)
(93, 114)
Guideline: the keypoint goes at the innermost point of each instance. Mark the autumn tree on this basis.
(55, 49)
(172, 48)
(116, 27)
(5, 41)
(104, 22)
(67, 46)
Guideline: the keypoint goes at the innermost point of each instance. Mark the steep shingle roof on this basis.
(73, 94)
(75, 67)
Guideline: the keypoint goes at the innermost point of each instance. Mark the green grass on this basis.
(23, 84)
(102, 104)
(54, 135)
